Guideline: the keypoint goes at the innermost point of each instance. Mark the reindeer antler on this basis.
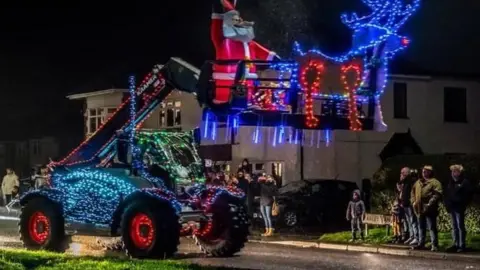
(384, 14)
(407, 12)
(379, 10)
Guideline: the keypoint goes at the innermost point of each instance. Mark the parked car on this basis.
(317, 202)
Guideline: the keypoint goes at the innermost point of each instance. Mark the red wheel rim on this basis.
(142, 231)
(39, 227)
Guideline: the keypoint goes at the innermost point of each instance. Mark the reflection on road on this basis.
(266, 256)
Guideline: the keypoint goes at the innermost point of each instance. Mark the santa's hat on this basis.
(230, 11)
(229, 6)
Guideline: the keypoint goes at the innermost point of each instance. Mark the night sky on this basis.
(47, 53)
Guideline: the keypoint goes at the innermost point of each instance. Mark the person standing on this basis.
(356, 214)
(245, 167)
(41, 180)
(458, 196)
(405, 185)
(10, 181)
(425, 197)
(244, 182)
(268, 191)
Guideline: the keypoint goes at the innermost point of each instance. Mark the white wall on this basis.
(354, 155)
(351, 155)
(101, 101)
(425, 105)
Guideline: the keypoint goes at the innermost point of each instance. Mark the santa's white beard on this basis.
(243, 34)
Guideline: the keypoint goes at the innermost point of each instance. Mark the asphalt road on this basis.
(267, 256)
(264, 256)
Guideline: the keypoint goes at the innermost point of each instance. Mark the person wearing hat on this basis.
(458, 195)
(425, 197)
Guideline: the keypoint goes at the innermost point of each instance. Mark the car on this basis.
(315, 202)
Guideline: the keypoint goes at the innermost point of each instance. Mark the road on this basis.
(267, 256)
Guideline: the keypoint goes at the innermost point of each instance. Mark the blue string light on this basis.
(327, 137)
(206, 125)
(375, 33)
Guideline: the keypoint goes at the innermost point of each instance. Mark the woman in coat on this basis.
(268, 191)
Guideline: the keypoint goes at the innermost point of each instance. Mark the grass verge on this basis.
(21, 259)
(378, 236)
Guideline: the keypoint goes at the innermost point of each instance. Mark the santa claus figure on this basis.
(233, 40)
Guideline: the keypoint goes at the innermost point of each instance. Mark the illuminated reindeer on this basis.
(375, 39)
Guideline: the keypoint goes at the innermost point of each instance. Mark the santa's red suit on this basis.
(229, 46)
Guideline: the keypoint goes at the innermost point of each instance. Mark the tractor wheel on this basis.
(226, 232)
(42, 226)
(150, 230)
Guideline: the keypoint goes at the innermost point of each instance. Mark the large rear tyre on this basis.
(150, 229)
(226, 232)
(42, 226)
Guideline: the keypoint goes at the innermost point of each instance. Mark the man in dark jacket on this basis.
(244, 184)
(405, 189)
(458, 195)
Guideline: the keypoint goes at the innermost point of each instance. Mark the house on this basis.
(21, 155)
(424, 114)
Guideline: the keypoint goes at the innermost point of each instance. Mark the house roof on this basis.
(401, 144)
(96, 93)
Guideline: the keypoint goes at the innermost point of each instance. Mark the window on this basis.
(455, 104)
(96, 117)
(400, 100)
(170, 114)
(277, 169)
(259, 167)
(178, 115)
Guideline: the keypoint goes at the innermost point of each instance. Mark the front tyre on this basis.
(41, 226)
(150, 230)
(226, 232)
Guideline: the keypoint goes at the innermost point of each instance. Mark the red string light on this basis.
(355, 124)
(311, 87)
(146, 97)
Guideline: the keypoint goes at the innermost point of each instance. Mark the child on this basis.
(397, 216)
(356, 214)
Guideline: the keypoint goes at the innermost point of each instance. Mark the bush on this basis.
(382, 200)
(472, 220)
